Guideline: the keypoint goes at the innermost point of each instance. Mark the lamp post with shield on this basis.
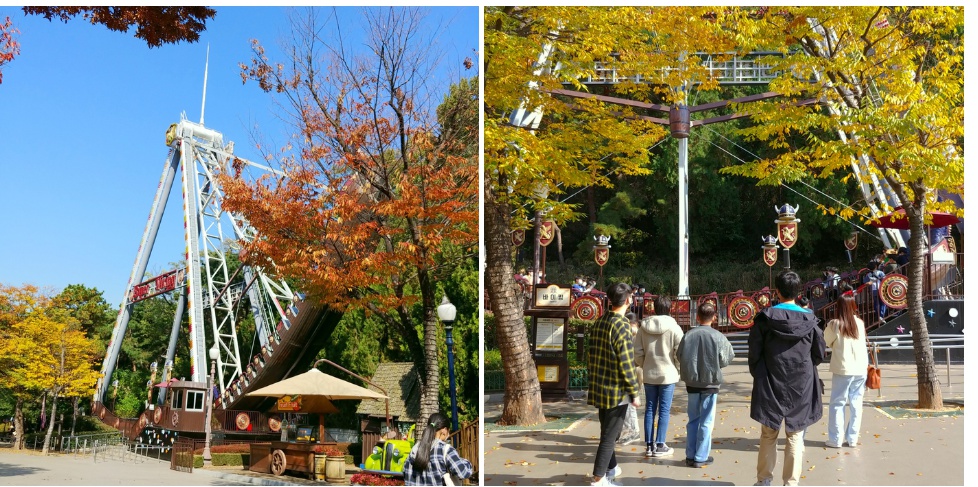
(787, 230)
(446, 313)
(209, 397)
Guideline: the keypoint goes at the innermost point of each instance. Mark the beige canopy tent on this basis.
(318, 390)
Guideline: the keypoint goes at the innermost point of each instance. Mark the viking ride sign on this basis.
(289, 403)
(552, 296)
(158, 285)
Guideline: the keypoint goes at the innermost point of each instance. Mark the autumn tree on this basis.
(382, 181)
(529, 53)
(155, 25)
(95, 318)
(9, 47)
(892, 82)
(16, 305)
(51, 354)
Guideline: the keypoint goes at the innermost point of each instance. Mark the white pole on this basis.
(683, 219)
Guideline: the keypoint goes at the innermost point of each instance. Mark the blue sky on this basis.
(83, 113)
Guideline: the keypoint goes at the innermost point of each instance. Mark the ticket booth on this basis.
(549, 330)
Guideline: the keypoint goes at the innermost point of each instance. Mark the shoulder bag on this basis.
(873, 376)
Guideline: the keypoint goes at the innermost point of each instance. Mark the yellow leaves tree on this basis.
(537, 137)
(891, 81)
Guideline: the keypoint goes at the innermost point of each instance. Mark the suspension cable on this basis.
(861, 229)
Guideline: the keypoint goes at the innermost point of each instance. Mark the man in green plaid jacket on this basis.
(612, 384)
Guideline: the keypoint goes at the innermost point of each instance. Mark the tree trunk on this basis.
(47, 436)
(592, 208)
(928, 385)
(19, 424)
(432, 384)
(74, 413)
(522, 404)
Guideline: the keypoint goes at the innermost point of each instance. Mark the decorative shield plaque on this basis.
(771, 256)
(741, 311)
(158, 415)
(649, 305)
(242, 421)
(586, 308)
(548, 231)
(518, 236)
(275, 423)
(893, 291)
(852, 241)
(818, 291)
(763, 299)
(601, 255)
(787, 234)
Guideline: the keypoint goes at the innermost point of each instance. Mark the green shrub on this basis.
(230, 459)
(492, 360)
(198, 461)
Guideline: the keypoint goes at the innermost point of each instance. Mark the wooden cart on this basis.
(278, 456)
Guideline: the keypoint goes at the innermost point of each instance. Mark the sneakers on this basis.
(829, 444)
(649, 450)
(613, 473)
(661, 450)
(694, 464)
(763, 482)
(605, 482)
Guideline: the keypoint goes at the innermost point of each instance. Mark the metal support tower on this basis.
(214, 310)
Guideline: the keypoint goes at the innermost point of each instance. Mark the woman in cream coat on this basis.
(846, 337)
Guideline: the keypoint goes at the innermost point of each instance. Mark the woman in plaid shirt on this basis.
(432, 458)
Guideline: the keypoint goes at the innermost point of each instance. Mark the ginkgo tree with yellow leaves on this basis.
(43, 351)
(891, 80)
(529, 53)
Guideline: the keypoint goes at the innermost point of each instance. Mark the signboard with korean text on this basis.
(552, 296)
(550, 334)
(548, 373)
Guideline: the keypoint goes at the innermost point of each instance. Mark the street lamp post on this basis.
(214, 353)
(446, 313)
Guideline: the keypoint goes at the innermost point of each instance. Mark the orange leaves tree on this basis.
(9, 47)
(379, 196)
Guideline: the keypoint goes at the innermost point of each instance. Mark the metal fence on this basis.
(182, 456)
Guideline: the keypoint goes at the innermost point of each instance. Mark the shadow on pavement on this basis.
(10, 470)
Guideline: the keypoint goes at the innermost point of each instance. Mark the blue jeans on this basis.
(846, 388)
(699, 430)
(658, 398)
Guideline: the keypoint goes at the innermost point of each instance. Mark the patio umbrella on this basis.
(898, 220)
(317, 389)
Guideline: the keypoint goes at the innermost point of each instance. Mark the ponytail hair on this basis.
(436, 422)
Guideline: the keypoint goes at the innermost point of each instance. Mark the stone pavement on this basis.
(896, 447)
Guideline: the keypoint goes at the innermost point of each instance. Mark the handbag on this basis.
(873, 375)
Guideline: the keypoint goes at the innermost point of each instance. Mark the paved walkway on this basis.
(896, 447)
(32, 468)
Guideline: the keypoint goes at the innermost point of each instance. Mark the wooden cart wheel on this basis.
(278, 462)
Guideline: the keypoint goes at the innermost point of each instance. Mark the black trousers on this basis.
(611, 421)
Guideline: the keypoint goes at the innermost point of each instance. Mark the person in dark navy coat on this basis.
(785, 346)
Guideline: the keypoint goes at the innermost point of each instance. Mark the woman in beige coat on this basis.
(846, 336)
